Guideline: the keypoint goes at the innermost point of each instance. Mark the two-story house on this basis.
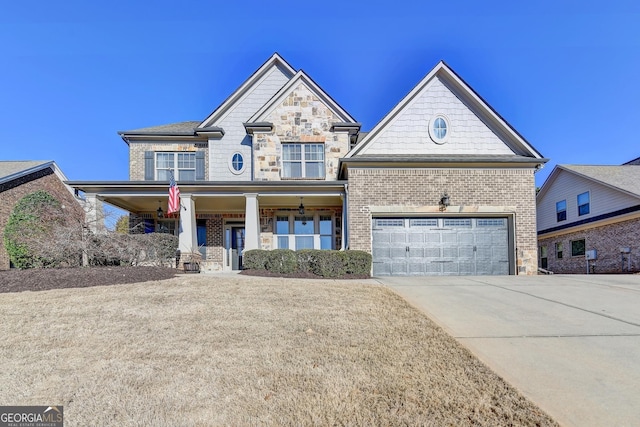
(441, 185)
(590, 211)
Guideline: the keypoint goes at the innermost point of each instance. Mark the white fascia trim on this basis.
(300, 77)
(391, 115)
(240, 92)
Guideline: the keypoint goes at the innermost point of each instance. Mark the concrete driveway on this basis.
(571, 343)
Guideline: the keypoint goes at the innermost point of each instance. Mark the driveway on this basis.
(571, 343)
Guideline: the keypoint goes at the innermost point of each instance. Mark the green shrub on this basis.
(322, 263)
(255, 259)
(282, 261)
(357, 262)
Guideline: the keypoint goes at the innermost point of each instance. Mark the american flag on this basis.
(174, 196)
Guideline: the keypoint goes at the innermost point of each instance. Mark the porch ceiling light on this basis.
(301, 207)
(159, 211)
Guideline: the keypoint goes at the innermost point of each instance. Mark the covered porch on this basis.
(222, 220)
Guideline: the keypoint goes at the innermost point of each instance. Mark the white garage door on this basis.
(440, 246)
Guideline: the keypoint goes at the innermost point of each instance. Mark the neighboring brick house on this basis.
(19, 178)
(587, 211)
(280, 164)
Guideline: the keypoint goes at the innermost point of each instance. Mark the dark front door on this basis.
(237, 247)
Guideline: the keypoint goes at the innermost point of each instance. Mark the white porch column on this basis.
(251, 222)
(187, 237)
(93, 213)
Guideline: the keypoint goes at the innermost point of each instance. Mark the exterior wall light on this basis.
(444, 202)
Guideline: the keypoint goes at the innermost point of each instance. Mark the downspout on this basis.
(345, 217)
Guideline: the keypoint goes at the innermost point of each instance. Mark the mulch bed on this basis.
(42, 279)
(300, 275)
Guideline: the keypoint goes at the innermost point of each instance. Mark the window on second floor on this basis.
(303, 161)
(583, 203)
(561, 210)
(185, 166)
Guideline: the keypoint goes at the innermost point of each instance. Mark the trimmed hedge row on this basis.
(329, 264)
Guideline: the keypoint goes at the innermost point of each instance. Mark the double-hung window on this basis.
(294, 231)
(302, 161)
(583, 203)
(561, 210)
(183, 166)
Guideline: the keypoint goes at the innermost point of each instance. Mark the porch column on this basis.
(251, 222)
(187, 237)
(94, 215)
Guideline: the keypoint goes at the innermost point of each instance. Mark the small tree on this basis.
(34, 223)
(122, 225)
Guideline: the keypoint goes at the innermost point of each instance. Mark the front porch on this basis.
(220, 221)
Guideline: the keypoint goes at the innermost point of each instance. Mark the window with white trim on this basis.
(295, 231)
(561, 210)
(183, 166)
(303, 161)
(439, 129)
(583, 203)
(236, 163)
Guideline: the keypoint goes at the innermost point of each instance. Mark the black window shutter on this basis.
(149, 166)
(199, 165)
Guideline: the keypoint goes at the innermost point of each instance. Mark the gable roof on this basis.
(463, 91)
(302, 77)
(14, 169)
(633, 162)
(625, 178)
(275, 61)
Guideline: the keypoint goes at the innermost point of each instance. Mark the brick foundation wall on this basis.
(11, 192)
(607, 240)
(472, 190)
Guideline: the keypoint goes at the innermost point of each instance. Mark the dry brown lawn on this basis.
(212, 350)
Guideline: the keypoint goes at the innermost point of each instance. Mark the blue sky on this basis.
(566, 75)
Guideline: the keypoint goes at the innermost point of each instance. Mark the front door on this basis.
(234, 245)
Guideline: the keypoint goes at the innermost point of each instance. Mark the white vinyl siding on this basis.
(567, 186)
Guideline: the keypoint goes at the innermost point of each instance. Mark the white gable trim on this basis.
(300, 77)
(273, 62)
(467, 94)
(556, 172)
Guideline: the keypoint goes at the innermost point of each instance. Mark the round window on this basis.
(439, 129)
(236, 163)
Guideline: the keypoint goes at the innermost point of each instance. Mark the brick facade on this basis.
(11, 192)
(470, 191)
(606, 240)
(137, 150)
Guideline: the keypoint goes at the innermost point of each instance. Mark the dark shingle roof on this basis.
(11, 169)
(180, 128)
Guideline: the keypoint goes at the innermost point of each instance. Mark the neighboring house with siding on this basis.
(280, 164)
(19, 178)
(583, 208)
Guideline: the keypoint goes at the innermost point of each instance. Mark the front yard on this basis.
(242, 350)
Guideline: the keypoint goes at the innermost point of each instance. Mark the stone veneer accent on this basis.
(12, 191)
(137, 150)
(301, 118)
(471, 190)
(606, 239)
